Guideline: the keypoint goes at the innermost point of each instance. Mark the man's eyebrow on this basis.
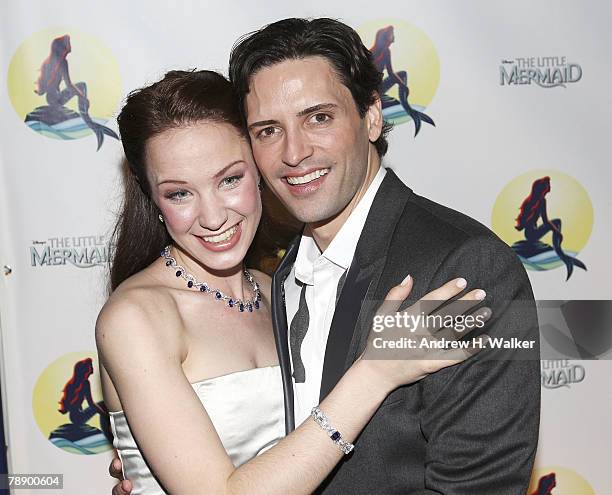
(301, 113)
(262, 123)
(317, 108)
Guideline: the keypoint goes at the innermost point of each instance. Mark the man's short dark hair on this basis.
(294, 39)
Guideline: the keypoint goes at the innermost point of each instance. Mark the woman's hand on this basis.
(404, 347)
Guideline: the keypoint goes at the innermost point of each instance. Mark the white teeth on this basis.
(221, 237)
(308, 177)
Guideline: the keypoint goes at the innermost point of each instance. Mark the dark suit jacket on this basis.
(469, 429)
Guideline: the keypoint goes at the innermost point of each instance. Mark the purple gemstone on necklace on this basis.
(178, 273)
(230, 303)
(202, 288)
(218, 295)
(250, 307)
(168, 263)
(190, 284)
(256, 304)
(241, 307)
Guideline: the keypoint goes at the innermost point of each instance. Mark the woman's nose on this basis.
(213, 216)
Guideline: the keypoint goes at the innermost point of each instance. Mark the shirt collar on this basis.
(341, 249)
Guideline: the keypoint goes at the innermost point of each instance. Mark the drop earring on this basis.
(161, 219)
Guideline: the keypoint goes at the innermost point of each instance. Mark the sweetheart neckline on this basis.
(232, 373)
(214, 378)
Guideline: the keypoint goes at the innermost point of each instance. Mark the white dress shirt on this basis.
(321, 273)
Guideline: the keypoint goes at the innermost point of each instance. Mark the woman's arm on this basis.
(177, 437)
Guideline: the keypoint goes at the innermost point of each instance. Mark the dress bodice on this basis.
(246, 408)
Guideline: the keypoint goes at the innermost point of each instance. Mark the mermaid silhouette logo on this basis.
(554, 220)
(381, 53)
(70, 426)
(531, 248)
(53, 72)
(545, 485)
(558, 480)
(69, 99)
(409, 63)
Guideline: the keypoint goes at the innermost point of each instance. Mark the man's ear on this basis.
(374, 118)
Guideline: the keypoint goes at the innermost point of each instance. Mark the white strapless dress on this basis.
(246, 408)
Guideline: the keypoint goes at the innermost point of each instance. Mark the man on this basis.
(309, 91)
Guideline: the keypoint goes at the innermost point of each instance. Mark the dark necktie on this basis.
(297, 332)
(298, 329)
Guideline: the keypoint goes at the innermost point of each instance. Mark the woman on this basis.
(185, 339)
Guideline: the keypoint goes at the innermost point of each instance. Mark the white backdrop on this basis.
(61, 194)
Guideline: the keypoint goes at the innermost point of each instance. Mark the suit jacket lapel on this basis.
(352, 314)
(358, 283)
(279, 323)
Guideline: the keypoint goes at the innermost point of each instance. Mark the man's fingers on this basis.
(123, 488)
(115, 469)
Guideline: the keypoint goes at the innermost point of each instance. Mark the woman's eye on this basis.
(177, 195)
(232, 180)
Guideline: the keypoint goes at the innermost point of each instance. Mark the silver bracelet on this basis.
(334, 434)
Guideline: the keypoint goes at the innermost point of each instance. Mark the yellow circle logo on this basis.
(547, 218)
(65, 84)
(410, 66)
(557, 480)
(68, 407)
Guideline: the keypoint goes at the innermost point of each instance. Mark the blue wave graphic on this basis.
(397, 114)
(93, 444)
(545, 261)
(74, 128)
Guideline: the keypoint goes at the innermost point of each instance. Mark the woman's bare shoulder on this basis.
(138, 310)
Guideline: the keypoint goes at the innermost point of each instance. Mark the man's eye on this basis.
(231, 181)
(320, 118)
(266, 132)
(177, 195)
